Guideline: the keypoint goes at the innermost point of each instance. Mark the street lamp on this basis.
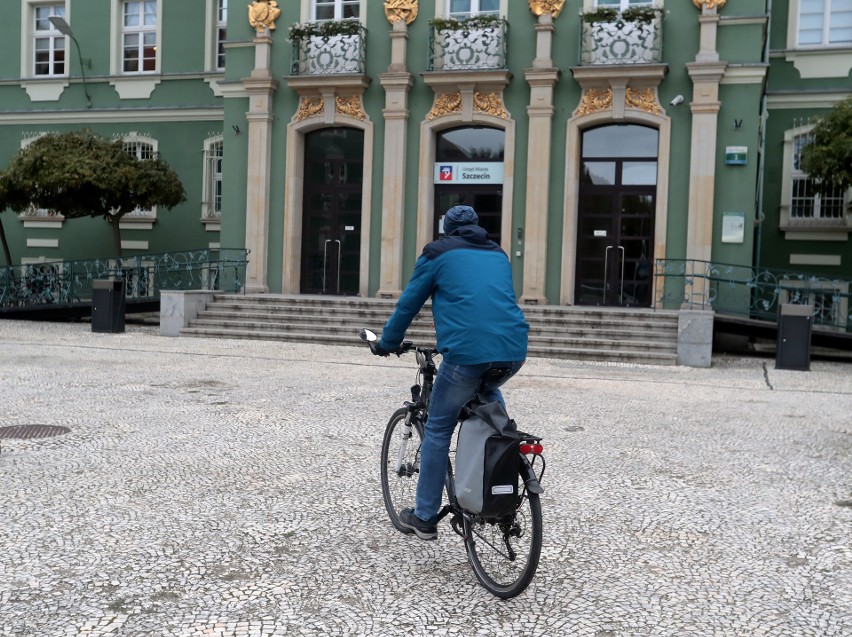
(63, 27)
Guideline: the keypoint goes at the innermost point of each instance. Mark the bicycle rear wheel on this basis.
(504, 552)
(400, 466)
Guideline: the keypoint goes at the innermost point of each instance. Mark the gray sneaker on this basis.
(422, 529)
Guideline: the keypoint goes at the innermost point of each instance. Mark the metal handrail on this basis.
(70, 282)
(751, 292)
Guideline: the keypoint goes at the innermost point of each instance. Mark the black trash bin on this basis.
(108, 305)
(793, 349)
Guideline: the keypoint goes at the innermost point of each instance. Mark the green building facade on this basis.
(594, 137)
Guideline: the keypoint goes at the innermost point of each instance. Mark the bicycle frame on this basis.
(418, 407)
(510, 544)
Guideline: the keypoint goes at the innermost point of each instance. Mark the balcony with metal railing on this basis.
(633, 36)
(479, 43)
(330, 47)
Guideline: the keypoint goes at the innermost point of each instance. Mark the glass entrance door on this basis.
(331, 213)
(486, 200)
(614, 257)
(616, 217)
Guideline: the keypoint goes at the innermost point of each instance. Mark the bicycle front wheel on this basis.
(504, 552)
(400, 466)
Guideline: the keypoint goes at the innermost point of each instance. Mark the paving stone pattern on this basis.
(231, 488)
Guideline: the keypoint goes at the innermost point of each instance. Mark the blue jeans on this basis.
(454, 386)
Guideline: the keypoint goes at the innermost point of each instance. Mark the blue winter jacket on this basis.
(477, 318)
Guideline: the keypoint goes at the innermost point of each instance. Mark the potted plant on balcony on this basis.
(644, 14)
(466, 24)
(323, 29)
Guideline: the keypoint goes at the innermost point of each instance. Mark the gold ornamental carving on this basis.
(351, 106)
(309, 107)
(405, 10)
(595, 100)
(553, 7)
(709, 4)
(445, 104)
(490, 104)
(263, 14)
(644, 99)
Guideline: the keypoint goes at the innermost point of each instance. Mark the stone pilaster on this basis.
(542, 78)
(397, 83)
(260, 87)
(706, 73)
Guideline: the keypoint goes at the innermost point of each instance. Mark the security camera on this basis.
(678, 99)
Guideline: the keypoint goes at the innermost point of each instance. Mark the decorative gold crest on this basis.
(445, 104)
(594, 100)
(263, 14)
(351, 106)
(710, 4)
(553, 7)
(397, 10)
(644, 99)
(490, 104)
(309, 107)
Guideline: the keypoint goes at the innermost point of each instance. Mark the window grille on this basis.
(807, 201)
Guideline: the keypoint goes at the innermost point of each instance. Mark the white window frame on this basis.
(308, 11)
(28, 8)
(791, 174)
(796, 31)
(474, 10)
(621, 5)
(212, 178)
(117, 41)
(214, 40)
(140, 144)
(142, 32)
(338, 9)
(53, 37)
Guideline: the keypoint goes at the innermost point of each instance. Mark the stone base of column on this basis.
(256, 289)
(695, 338)
(388, 294)
(533, 300)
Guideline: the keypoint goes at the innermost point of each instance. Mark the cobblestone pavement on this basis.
(230, 488)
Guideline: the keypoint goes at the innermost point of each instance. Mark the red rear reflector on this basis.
(534, 449)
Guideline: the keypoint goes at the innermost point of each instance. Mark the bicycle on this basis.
(504, 552)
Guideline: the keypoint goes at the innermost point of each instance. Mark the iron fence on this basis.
(751, 292)
(70, 282)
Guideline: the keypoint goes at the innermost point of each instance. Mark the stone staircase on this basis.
(570, 332)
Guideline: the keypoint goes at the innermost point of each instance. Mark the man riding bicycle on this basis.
(479, 326)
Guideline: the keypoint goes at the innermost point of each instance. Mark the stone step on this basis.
(575, 353)
(266, 322)
(587, 333)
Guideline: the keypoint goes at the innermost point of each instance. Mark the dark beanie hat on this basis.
(459, 216)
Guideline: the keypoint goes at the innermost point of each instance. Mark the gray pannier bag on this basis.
(487, 461)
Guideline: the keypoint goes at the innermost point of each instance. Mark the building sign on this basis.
(736, 155)
(469, 173)
(733, 227)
